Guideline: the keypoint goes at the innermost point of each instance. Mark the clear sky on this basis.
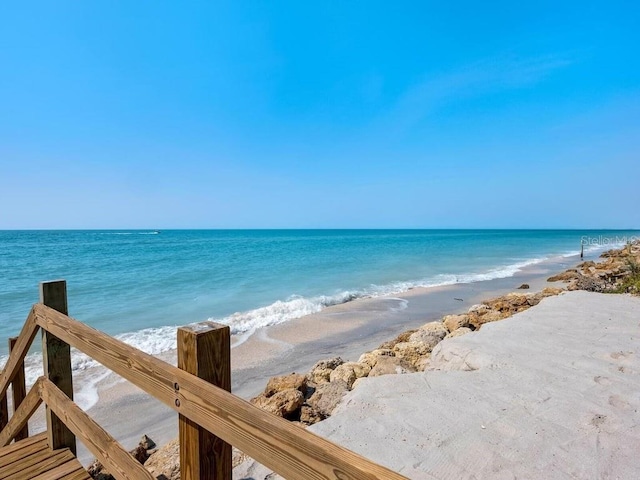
(333, 114)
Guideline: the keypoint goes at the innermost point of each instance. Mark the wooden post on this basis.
(4, 412)
(19, 388)
(204, 350)
(56, 356)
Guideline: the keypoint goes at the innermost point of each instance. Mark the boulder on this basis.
(479, 309)
(371, 358)
(437, 329)
(564, 276)
(283, 404)
(491, 316)
(403, 337)
(422, 364)
(551, 291)
(147, 443)
(516, 300)
(588, 284)
(326, 397)
(413, 352)
(429, 334)
(321, 371)
(391, 366)
(309, 415)
(524, 286)
(454, 322)
(165, 462)
(459, 332)
(293, 381)
(349, 372)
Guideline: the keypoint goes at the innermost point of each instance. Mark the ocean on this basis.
(140, 285)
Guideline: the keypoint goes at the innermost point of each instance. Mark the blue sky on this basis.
(358, 114)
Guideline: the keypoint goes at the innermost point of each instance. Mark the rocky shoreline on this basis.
(306, 399)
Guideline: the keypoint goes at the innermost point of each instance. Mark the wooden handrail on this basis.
(20, 349)
(292, 452)
(107, 450)
(22, 415)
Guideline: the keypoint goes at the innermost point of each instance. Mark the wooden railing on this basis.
(211, 419)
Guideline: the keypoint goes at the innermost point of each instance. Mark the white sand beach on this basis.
(553, 393)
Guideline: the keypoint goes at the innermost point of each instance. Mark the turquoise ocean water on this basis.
(139, 285)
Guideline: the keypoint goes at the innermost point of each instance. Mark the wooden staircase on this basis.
(33, 458)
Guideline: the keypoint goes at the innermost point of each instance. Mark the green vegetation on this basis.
(631, 283)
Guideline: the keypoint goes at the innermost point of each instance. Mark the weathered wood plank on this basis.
(56, 356)
(40, 438)
(22, 415)
(22, 450)
(64, 471)
(80, 474)
(20, 349)
(294, 453)
(24, 463)
(35, 468)
(19, 387)
(204, 350)
(106, 449)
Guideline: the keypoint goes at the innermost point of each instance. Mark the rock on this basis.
(491, 316)
(283, 404)
(326, 397)
(459, 332)
(534, 299)
(436, 329)
(321, 371)
(391, 366)
(165, 463)
(517, 299)
(309, 415)
(588, 284)
(140, 454)
(357, 382)
(371, 358)
(564, 276)
(147, 443)
(584, 265)
(429, 334)
(97, 471)
(403, 337)
(479, 309)
(349, 372)
(293, 381)
(551, 291)
(422, 364)
(524, 286)
(413, 352)
(454, 322)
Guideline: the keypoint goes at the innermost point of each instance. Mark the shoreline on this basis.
(346, 330)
